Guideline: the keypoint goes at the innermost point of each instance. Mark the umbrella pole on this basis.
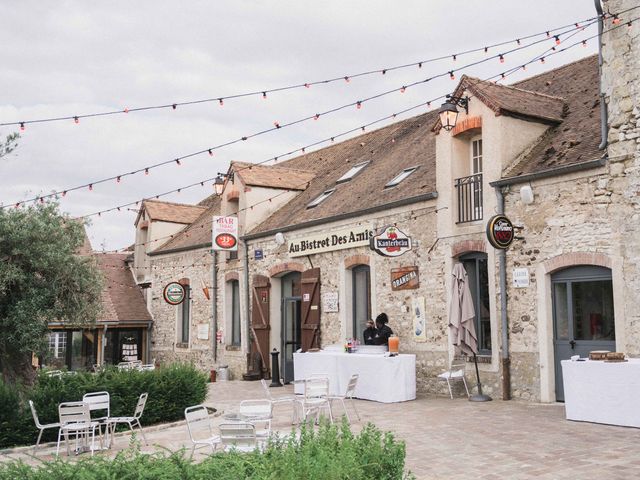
(479, 397)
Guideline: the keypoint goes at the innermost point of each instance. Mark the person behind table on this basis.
(383, 332)
(369, 333)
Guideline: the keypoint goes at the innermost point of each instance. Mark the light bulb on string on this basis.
(542, 60)
(118, 179)
(276, 124)
(210, 152)
(584, 43)
(91, 187)
(178, 162)
(264, 95)
(76, 120)
(454, 57)
(420, 65)
(501, 58)
(557, 39)
(451, 75)
(384, 71)
(616, 20)
(22, 128)
(306, 85)
(146, 171)
(126, 110)
(347, 79)
(403, 89)
(316, 116)
(358, 104)
(518, 41)
(174, 106)
(221, 101)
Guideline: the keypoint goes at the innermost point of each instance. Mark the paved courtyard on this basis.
(450, 439)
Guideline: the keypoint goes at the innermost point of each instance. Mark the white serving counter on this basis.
(602, 392)
(383, 379)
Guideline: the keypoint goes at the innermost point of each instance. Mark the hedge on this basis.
(331, 452)
(171, 389)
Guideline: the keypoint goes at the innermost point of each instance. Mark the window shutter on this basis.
(310, 309)
(260, 325)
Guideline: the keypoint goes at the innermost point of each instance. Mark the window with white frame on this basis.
(58, 344)
(353, 171)
(476, 155)
(184, 316)
(321, 198)
(400, 177)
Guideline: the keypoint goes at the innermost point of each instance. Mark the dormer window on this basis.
(400, 177)
(353, 171)
(321, 198)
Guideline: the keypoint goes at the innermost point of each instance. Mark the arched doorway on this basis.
(583, 314)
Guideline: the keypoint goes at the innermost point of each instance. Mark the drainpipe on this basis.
(505, 360)
(604, 117)
(214, 304)
(245, 265)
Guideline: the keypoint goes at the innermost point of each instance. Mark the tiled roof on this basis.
(172, 212)
(389, 150)
(576, 139)
(196, 234)
(272, 176)
(122, 299)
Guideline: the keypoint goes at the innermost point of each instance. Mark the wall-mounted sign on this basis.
(258, 254)
(328, 241)
(520, 277)
(392, 242)
(405, 278)
(330, 302)
(173, 293)
(224, 233)
(306, 297)
(419, 319)
(500, 231)
(203, 331)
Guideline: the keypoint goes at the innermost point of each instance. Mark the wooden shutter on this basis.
(260, 326)
(310, 310)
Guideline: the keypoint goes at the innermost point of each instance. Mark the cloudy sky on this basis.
(69, 58)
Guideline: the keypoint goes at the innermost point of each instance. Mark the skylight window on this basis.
(400, 177)
(353, 171)
(321, 198)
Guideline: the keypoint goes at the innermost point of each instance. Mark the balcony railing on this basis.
(469, 193)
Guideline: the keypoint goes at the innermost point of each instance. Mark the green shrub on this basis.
(171, 390)
(330, 453)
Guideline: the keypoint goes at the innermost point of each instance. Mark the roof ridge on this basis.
(553, 97)
(561, 67)
(174, 203)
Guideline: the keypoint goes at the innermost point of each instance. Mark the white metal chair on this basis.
(75, 419)
(199, 427)
(259, 413)
(134, 420)
(455, 374)
(99, 401)
(348, 395)
(238, 436)
(316, 393)
(40, 426)
(289, 399)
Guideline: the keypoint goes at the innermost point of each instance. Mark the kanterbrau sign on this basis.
(392, 242)
(329, 241)
(224, 233)
(500, 231)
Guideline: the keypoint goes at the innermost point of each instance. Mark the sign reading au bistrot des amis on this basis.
(500, 231)
(225, 234)
(405, 278)
(392, 242)
(173, 293)
(329, 241)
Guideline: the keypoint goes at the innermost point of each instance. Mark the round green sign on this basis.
(173, 293)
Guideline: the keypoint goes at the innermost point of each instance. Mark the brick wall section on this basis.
(466, 246)
(286, 267)
(576, 258)
(355, 260)
(469, 123)
(229, 276)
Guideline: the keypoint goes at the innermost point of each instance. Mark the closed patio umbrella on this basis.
(462, 323)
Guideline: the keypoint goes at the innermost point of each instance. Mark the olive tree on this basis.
(42, 279)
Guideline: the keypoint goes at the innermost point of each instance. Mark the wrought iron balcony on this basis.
(469, 194)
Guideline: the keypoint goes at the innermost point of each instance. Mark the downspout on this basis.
(604, 117)
(245, 267)
(214, 305)
(505, 359)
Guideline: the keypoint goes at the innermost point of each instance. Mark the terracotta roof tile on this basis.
(272, 176)
(172, 212)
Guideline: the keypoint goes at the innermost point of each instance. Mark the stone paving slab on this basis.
(446, 439)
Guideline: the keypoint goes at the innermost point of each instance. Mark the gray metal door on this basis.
(582, 315)
(291, 338)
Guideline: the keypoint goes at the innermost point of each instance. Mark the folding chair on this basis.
(455, 374)
(348, 395)
(199, 427)
(292, 399)
(99, 401)
(316, 393)
(259, 413)
(238, 436)
(134, 420)
(39, 426)
(75, 419)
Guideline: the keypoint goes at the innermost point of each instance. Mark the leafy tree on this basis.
(42, 279)
(9, 144)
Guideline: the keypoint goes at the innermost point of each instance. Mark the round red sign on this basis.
(226, 240)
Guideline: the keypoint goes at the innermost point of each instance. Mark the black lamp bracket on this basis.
(462, 102)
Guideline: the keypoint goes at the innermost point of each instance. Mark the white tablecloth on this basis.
(602, 392)
(383, 379)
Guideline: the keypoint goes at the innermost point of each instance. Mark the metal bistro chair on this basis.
(316, 393)
(199, 428)
(239, 436)
(39, 426)
(455, 374)
(75, 419)
(134, 420)
(101, 402)
(348, 395)
(259, 413)
(289, 399)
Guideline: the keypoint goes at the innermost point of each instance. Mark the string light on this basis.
(501, 58)
(118, 179)
(210, 152)
(264, 95)
(91, 187)
(346, 79)
(454, 57)
(403, 89)
(542, 60)
(174, 106)
(616, 20)
(22, 126)
(557, 39)
(76, 120)
(451, 75)
(221, 101)
(358, 104)
(146, 171)
(126, 110)
(178, 162)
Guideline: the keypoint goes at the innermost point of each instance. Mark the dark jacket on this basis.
(369, 335)
(382, 335)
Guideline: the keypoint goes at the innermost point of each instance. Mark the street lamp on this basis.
(449, 112)
(219, 182)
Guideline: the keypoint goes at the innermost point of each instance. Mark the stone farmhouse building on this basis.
(546, 152)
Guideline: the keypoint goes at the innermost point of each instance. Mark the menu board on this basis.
(129, 352)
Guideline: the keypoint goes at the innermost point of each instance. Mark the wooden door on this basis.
(260, 326)
(310, 310)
